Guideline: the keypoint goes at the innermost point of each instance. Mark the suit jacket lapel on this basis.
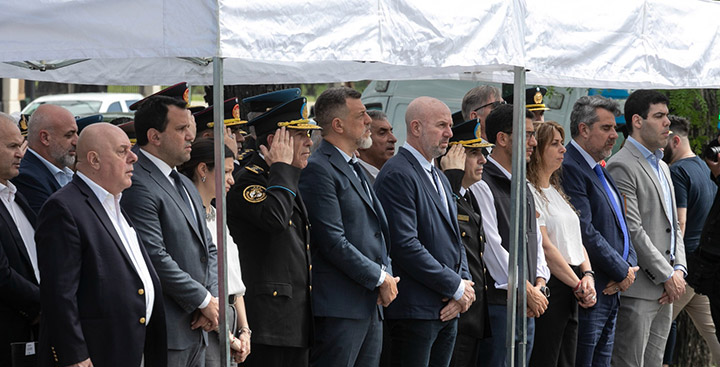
(336, 159)
(651, 173)
(164, 183)
(429, 186)
(12, 226)
(99, 210)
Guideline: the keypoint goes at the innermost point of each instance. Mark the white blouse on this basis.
(561, 222)
(235, 283)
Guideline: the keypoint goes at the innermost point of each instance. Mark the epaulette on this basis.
(255, 169)
(244, 154)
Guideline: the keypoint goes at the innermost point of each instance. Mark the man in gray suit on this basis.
(643, 179)
(168, 214)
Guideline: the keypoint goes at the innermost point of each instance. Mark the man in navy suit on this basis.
(47, 166)
(20, 300)
(350, 240)
(101, 297)
(604, 231)
(427, 251)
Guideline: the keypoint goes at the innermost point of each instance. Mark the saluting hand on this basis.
(454, 159)
(281, 148)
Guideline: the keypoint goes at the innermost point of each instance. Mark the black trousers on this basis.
(556, 330)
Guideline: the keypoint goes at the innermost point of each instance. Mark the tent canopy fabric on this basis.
(617, 43)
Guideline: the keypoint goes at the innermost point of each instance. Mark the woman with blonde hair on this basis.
(572, 282)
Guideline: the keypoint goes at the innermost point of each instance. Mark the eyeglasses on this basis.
(493, 104)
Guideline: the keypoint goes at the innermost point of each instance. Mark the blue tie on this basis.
(616, 208)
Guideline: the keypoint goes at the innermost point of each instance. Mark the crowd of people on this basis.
(345, 251)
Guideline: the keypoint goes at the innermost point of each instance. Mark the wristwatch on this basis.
(589, 272)
(545, 291)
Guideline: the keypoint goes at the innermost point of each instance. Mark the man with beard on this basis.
(427, 251)
(47, 166)
(645, 313)
(383, 145)
(350, 239)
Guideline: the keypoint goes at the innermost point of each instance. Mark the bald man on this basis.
(101, 298)
(47, 166)
(20, 303)
(427, 252)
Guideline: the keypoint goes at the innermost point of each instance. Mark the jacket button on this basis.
(667, 252)
(203, 259)
(307, 247)
(310, 288)
(377, 234)
(290, 223)
(142, 320)
(141, 291)
(310, 267)
(463, 234)
(667, 230)
(274, 293)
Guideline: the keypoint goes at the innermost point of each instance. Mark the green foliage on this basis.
(691, 103)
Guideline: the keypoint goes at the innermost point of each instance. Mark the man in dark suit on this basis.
(47, 166)
(383, 145)
(168, 214)
(602, 223)
(20, 300)
(463, 166)
(427, 251)
(100, 294)
(350, 240)
(268, 220)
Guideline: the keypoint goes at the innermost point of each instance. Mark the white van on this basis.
(393, 97)
(83, 104)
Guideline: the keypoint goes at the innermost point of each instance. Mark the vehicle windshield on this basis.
(75, 107)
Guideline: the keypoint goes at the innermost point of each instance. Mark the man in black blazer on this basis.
(427, 251)
(463, 166)
(101, 297)
(350, 242)
(169, 216)
(47, 165)
(604, 232)
(269, 223)
(20, 300)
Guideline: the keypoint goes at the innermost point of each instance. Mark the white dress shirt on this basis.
(128, 237)
(372, 170)
(165, 169)
(62, 176)
(495, 256)
(27, 233)
(234, 273)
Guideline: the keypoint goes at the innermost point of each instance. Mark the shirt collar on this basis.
(159, 163)
(51, 167)
(590, 161)
(502, 169)
(99, 192)
(426, 165)
(369, 167)
(8, 191)
(346, 157)
(645, 151)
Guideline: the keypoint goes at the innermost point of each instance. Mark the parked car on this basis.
(81, 104)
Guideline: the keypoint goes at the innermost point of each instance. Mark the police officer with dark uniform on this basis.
(463, 167)
(533, 102)
(268, 221)
(204, 119)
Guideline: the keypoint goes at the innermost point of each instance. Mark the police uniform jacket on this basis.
(268, 221)
(474, 322)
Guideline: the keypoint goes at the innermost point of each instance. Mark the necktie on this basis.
(434, 174)
(361, 176)
(616, 209)
(180, 189)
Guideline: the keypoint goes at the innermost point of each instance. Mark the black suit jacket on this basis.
(35, 181)
(19, 291)
(273, 237)
(93, 299)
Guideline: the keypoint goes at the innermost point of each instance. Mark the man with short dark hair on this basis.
(694, 193)
(352, 276)
(600, 207)
(383, 145)
(427, 251)
(52, 136)
(493, 197)
(478, 102)
(645, 313)
(98, 282)
(168, 214)
(19, 276)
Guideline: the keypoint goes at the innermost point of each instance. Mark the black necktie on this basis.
(180, 189)
(361, 176)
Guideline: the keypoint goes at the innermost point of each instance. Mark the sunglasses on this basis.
(493, 104)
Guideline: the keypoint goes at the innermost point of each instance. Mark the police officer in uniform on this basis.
(463, 167)
(534, 102)
(268, 221)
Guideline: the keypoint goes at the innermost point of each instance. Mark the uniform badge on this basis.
(538, 97)
(254, 194)
(463, 218)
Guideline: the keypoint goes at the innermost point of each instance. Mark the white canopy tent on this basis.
(616, 43)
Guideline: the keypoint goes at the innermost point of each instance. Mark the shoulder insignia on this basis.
(255, 169)
(254, 194)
